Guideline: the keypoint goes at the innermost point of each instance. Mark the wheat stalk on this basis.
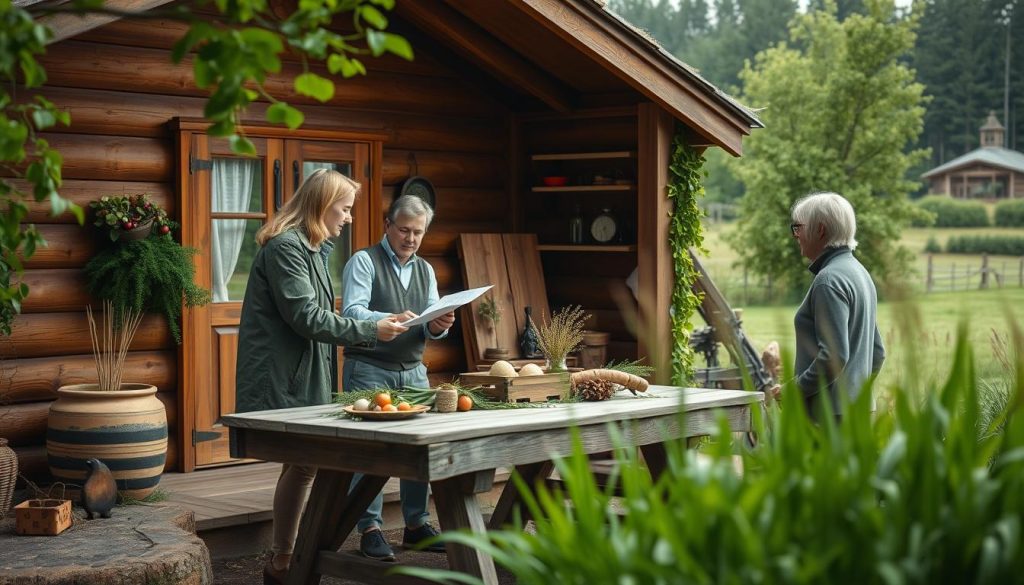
(110, 343)
(562, 335)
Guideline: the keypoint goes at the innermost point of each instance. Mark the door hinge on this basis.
(198, 164)
(203, 436)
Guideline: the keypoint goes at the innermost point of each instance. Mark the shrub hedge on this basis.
(999, 245)
(1010, 213)
(950, 212)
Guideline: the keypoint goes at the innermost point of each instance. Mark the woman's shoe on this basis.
(272, 576)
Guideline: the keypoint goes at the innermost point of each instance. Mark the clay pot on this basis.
(125, 429)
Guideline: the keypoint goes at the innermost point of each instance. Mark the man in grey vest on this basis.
(390, 279)
(838, 346)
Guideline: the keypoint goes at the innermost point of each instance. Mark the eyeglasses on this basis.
(795, 227)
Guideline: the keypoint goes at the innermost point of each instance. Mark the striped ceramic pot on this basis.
(125, 429)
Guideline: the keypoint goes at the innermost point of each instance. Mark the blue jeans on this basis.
(415, 495)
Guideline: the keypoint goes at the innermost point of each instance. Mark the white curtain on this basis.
(232, 188)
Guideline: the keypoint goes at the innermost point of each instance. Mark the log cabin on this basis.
(501, 94)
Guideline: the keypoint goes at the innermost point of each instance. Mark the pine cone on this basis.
(594, 390)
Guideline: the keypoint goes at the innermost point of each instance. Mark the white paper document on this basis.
(446, 304)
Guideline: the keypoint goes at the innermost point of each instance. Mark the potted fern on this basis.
(120, 423)
(154, 274)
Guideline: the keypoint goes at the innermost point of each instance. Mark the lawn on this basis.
(938, 315)
(721, 259)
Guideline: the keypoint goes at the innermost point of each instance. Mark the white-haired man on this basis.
(838, 346)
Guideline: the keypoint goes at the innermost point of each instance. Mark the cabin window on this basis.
(236, 192)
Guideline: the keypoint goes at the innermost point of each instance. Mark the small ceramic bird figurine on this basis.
(99, 493)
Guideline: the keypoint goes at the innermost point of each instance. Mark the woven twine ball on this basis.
(447, 399)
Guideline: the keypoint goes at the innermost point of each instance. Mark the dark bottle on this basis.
(528, 344)
(576, 227)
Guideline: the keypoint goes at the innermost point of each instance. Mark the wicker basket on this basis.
(8, 476)
(42, 517)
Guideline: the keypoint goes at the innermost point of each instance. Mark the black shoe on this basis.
(272, 576)
(413, 537)
(373, 546)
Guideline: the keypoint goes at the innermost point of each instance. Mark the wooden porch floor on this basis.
(244, 494)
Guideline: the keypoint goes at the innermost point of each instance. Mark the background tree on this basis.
(233, 55)
(842, 111)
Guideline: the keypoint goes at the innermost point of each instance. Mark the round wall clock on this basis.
(420, 187)
(605, 228)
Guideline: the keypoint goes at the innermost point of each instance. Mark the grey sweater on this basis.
(838, 346)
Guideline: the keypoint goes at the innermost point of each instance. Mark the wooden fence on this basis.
(971, 275)
(743, 288)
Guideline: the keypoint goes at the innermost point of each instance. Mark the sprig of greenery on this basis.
(562, 335)
(635, 367)
(685, 231)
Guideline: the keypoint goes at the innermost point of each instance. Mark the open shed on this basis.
(501, 94)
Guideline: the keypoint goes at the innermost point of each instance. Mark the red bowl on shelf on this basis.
(555, 181)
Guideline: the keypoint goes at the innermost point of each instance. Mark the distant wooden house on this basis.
(990, 171)
(497, 86)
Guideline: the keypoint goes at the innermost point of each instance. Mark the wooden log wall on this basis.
(594, 280)
(122, 90)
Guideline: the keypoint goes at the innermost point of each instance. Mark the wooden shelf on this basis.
(583, 188)
(585, 155)
(585, 248)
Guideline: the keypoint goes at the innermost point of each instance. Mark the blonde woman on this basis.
(289, 330)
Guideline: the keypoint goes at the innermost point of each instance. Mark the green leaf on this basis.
(222, 128)
(381, 42)
(348, 67)
(282, 113)
(373, 16)
(242, 145)
(312, 85)
(385, 4)
(43, 119)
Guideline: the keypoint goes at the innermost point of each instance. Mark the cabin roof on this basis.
(554, 51)
(996, 156)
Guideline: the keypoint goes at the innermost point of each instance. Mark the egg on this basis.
(361, 404)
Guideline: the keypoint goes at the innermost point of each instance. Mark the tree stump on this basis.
(140, 544)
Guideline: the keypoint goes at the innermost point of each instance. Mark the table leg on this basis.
(656, 459)
(319, 525)
(458, 508)
(358, 500)
(510, 499)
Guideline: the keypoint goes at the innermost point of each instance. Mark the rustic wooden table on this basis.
(457, 454)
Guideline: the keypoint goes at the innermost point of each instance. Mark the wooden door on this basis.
(227, 200)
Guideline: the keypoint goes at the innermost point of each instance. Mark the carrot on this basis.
(629, 381)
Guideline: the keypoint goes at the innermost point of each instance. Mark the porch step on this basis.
(233, 505)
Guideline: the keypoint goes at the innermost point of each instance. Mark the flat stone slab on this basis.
(143, 544)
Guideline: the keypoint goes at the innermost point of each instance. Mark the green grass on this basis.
(940, 312)
(720, 261)
(985, 312)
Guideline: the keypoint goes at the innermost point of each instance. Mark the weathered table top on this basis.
(432, 428)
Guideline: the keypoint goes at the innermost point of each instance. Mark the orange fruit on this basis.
(382, 399)
(389, 408)
(465, 403)
(404, 406)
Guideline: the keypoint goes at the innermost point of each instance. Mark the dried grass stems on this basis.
(110, 343)
(562, 335)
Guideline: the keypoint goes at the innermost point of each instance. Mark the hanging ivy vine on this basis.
(685, 187)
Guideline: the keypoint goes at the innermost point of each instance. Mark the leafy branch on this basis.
(684, 188)
(232, 56)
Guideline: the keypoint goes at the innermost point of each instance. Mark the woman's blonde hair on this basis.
(307, 207)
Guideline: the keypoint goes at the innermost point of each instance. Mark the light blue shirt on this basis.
(358, 277)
